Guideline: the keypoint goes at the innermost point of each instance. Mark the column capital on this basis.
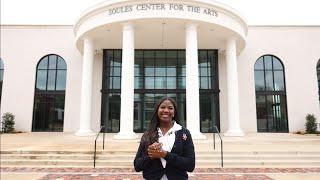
(191, 25)
(127, 26)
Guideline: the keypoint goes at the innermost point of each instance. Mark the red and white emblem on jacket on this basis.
(184, 136)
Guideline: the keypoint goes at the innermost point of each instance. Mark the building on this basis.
(121, 56)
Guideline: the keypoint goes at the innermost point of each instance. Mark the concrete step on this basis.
(117, 156)
(129, 164)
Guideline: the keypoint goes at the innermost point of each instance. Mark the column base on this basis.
(234, 133)
(85, 133)
(121, 135)
(198, 135)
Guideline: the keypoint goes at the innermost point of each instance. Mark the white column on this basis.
(232, 86)
(86, 89)
(127, 84)
(192, 82)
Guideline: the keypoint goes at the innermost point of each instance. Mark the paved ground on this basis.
(127, 173)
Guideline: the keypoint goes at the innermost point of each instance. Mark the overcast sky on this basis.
(256, 12)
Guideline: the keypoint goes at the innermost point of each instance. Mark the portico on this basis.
(130, 25)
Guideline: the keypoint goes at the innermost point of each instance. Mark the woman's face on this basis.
(166, 111)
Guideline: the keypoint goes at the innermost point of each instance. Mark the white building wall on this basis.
(23, 46)
(21, 49)
(299, 50)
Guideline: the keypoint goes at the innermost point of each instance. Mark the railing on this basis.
(215, 130)
(95, 145)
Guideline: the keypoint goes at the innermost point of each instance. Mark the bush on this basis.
(311, 125)
(7, 122)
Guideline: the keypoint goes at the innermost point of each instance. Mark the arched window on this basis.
(318, 75)
(1, 77)
(48, 110)
(271, 98)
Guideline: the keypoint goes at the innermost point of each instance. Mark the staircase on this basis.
(124, 159)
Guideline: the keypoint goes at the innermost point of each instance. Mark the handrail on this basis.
(214, 143)
(95, 145)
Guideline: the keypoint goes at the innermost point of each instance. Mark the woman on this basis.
(166, 150)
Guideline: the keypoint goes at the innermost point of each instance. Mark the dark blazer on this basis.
(180, 160)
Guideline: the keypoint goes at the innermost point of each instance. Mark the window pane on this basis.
(1, 64)
(161, 54)
(277, 64)
(117, 71)
(269, 81)
(203, 71)
(61, 63)
(259, 64)
(160, 83)
(149, 83)
(182, 82)
(138, 71)
(138, 82)
(51, 79)
(172, 55)
(43, 63)
(182, 72)
(61, 80)
(259, 80)
(41, 80)
(148, 54)
(171, 71)
(278, 81)
(171, 83)
(117, 57)
(149, 71)
(116, 82)
(160, 71)
(171, 63)
(268, 62)
(138, 54)
(261, 113)
(52, 62)
(182, 55)
(204, 83)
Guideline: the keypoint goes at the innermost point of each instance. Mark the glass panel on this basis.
(41, 80)
(116, 83)
(61, 63)
(52, 62)
(269, 81)
(203, 71)
(270, 114)
(160, 83)
(110, 71)
(137, 113)
(171, 71)
(182, 56)
(149, 71)
(268, 62)
(160, 71)
(161, 54)
(172, 55)
(259, 80)
(149, 83)
(138, 54)
(61, 80)
(43, 63)
(277, 64)
(51, 79)
(171, 63)
(181, 82)
(204, 83)
(205, 113)
(117, 57)
(117, 71)
(278, 81)
(148, 54)
(1, 64)
(138, 82)
(182, 72)
(262, 122)
(114, 112)
(259, 64)
(171, 83)
(57, 123)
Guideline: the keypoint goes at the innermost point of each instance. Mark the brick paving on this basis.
(130, 174)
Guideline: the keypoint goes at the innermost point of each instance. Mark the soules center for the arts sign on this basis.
(162, 7)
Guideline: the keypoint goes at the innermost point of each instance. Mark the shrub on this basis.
(311, 125)
(7, 122)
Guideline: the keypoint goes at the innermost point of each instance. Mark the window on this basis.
(1, 78)
(49, 98)
(318, 75)
(271, 104)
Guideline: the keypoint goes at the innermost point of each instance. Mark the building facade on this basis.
(121, 56)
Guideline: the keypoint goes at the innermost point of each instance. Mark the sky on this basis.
(66, 12)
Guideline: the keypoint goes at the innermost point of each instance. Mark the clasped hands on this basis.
(155, 151)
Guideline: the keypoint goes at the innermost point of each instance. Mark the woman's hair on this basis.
(151, 135)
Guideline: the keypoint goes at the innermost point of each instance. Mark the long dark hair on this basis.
(151, 135)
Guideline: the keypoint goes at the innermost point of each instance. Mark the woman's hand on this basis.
(155, 151)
